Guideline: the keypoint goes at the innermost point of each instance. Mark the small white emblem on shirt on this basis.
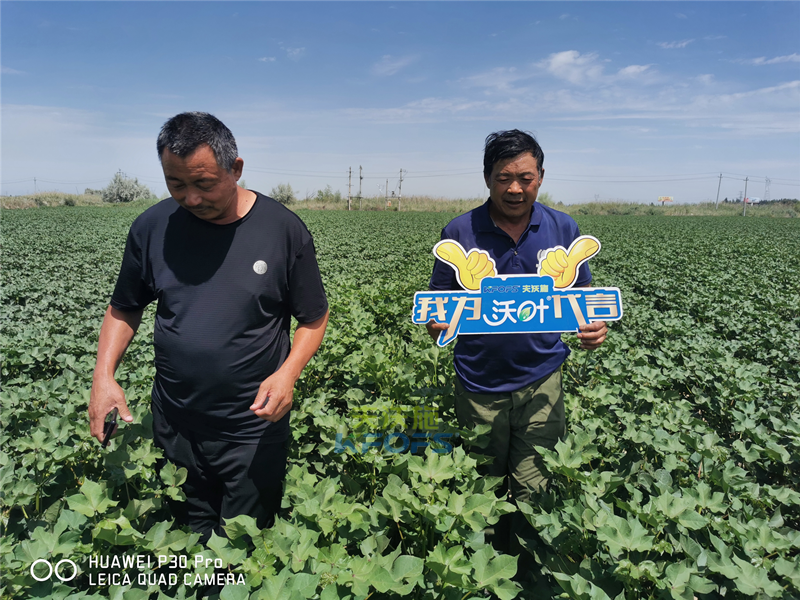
(260, 267)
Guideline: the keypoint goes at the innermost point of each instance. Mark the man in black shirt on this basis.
(228, 269)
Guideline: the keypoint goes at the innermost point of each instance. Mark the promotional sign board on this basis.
(663, 199)
(544, 302)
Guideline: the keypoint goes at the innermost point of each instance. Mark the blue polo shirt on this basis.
(498, 363)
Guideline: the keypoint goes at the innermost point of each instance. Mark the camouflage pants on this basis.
(531, 416)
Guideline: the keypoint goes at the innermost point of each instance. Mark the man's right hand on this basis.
(434, 328)
(106, 394)
(116, 334)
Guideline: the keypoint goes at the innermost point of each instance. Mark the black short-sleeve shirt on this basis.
(226, 295)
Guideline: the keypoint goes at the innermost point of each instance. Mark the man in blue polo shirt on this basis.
(513, 381)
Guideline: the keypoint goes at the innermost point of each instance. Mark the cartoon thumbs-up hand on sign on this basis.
(470, 267)
(562, 265)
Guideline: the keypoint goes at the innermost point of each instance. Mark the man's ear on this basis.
(541, 177)
(237, 168)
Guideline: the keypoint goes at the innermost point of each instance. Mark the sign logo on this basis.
(544, 302)
(260, 267)
(56, 570)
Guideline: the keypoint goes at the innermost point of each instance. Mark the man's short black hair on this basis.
(185, 132)
(508, 144)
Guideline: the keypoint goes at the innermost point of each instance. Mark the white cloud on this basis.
(681, 16)
(10, 71)
(498, 79)
(267, 59)
(671, 45)
(389, 65)
(633, 70)
(420, 111)
(570, 65)
(788, 92)
(573, 66)
(705, 79)
(772, 61)
(295, 53)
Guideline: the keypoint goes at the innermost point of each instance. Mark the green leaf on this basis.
(94, 498)
(137, 508)
(683, 581)
(407, 568)
(490, 568)
(234, 592)
(624, 534)
(789, 569)
(172, 475)
(753, 580)
(436, 467)
(449, 564)
(223, 548)
(241, 525)
(277, 586)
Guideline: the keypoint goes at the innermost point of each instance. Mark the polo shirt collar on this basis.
(484, 221)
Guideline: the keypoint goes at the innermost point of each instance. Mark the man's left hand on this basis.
(592, 335)
(277, 391)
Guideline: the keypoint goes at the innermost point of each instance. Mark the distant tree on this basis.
(243, 184)
(283, 193)
(124, 189)
(328, 195)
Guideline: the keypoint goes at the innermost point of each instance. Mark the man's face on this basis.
(513, 186)
(201, 186)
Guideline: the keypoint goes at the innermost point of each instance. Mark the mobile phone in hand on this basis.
(110, 426)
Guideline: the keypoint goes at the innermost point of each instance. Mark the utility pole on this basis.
(400, 191)
(349, 176)
(34, 186)
(360, 177)
(744, 200)
(719, 186)
(386, 191)
(766, 189)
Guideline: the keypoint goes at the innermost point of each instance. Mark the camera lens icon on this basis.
(57, 570)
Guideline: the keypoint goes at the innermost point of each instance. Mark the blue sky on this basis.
(629, 100)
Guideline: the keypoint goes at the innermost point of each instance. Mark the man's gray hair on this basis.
(185, 132)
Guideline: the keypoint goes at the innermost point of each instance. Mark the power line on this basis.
(17, 181)
(304, 174)
(630, 180)
(291, 171)
(658, 175)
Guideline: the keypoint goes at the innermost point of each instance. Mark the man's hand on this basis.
(471, 267)
(274, 398)
(434, 328)
(592, 335)
(106, 394)
(563, 265)
(116, 334)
